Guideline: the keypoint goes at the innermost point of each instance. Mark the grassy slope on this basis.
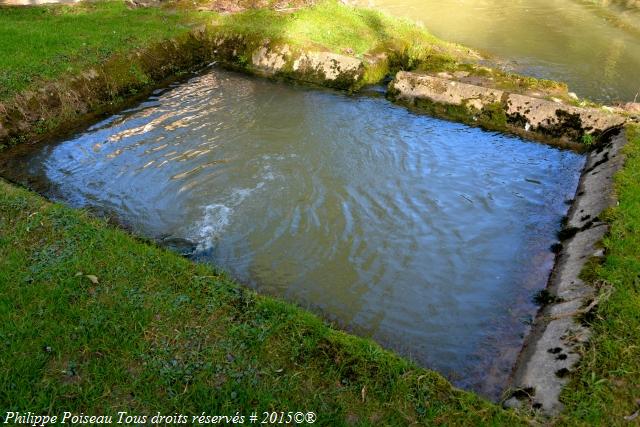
(331, 25)
(607, 385)
(45, 42)
(161, 333)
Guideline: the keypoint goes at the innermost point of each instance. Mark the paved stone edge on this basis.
(552, 349)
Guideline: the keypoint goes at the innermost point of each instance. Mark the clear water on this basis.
(429, 236)
(593, 45)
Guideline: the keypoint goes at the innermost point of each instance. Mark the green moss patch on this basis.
(333, 26)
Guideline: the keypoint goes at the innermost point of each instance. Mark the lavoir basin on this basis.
(431, 237)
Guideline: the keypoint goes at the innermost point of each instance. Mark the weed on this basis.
(587, 139)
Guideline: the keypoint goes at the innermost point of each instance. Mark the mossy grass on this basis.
(606, 386)
(97, 321)
(47, 42)
(339, 28)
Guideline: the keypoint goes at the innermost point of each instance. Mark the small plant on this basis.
(243, 60)
(587, 139)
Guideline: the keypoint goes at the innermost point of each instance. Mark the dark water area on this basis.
(429, 236)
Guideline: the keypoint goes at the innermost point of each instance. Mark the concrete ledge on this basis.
(411, 86)
(553, 347)
(323, 68)
(496, 109)
(329, 67)
(557, 119)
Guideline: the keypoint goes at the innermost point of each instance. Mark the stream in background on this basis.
(431, 237)
(592, 45)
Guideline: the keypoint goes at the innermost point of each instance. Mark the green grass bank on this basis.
(44, 43)
(606, 386)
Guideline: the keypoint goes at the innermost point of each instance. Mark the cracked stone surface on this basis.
(524, 115)
(541, 113)
(270, 61)
(330, 65)
(411, 86)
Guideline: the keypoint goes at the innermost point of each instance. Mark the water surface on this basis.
(593, 45)
(427, 235)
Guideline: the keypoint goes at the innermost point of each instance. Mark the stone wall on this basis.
(531, 117)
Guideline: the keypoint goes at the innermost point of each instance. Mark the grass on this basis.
(46, 42)
(331, 25)
(95, 321)
(606, 387)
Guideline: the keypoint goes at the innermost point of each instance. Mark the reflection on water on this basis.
(593, 45)
(430, 236)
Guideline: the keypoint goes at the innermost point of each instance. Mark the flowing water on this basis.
(593, 45)
(429, 236)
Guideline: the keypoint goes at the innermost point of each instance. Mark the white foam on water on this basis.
(216, 218)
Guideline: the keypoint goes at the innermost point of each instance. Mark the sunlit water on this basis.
(431, 237)
(593, 45)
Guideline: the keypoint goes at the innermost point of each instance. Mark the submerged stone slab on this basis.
(500, 110)
(553, 348)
